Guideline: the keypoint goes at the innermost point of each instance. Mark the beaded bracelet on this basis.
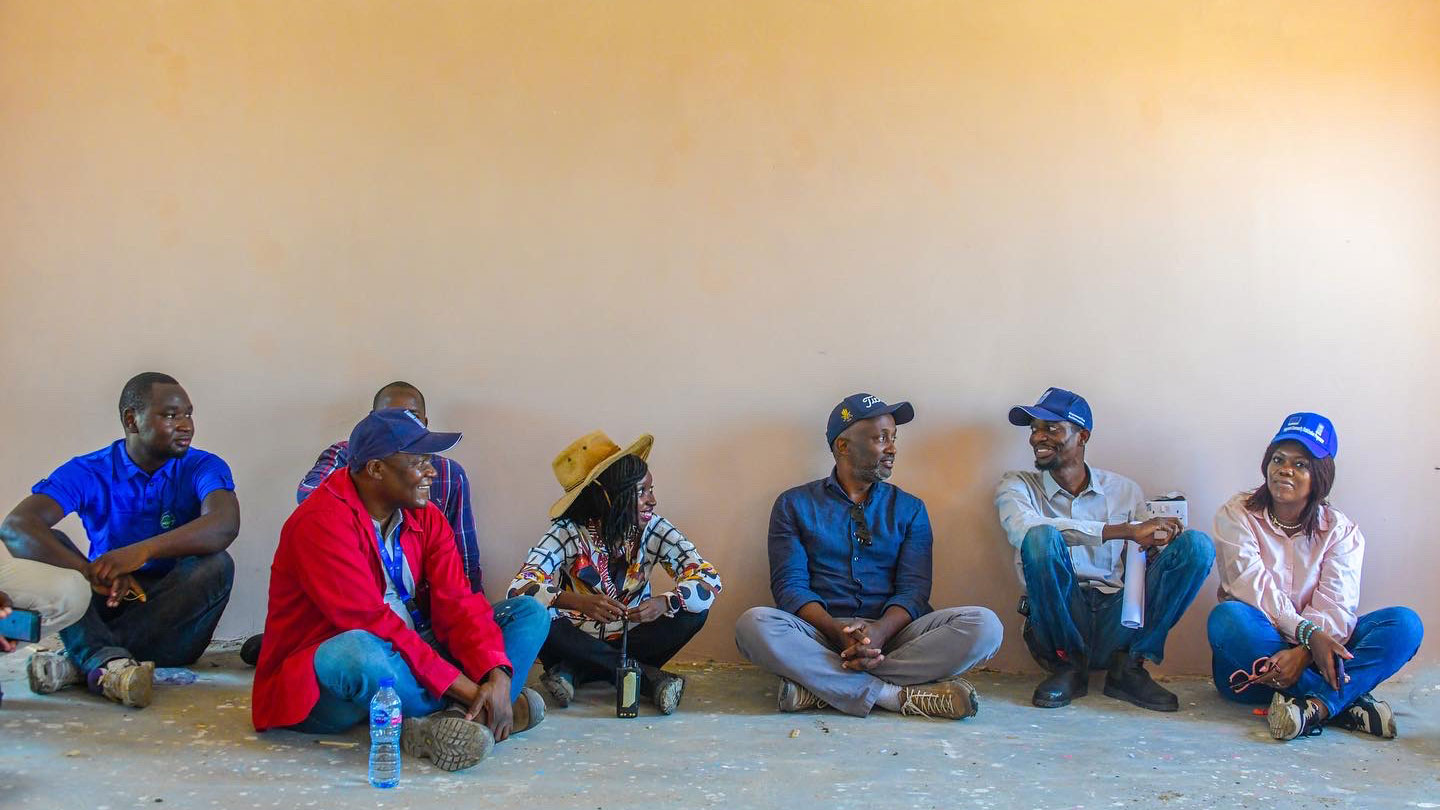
(1303, 633)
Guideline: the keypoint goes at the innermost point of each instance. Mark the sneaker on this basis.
(559, 683)
(447, 739)
(796, 698)
(51, 671)
(1368, 715)
(528, 710)
(668, 690)
(1127, 680)
(250, 650)
(126, 681)
(1069, 680)
(953, 698)
(1290, 718)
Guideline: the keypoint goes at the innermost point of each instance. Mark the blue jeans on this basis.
(1383, 641)
(349, 667)
(1084, 622)
(172, 627)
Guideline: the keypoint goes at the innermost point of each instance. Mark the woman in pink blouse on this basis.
(1286, 629)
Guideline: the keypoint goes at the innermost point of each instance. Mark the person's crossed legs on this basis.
(936, 647)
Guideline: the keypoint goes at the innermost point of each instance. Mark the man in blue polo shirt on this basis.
(850, 569)
(158, 515)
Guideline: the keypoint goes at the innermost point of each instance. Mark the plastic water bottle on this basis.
(385, 736)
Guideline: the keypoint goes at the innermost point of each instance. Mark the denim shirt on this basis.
(816, 555)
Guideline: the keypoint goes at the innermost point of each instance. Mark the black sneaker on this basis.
(1290, 718)
(1368, 715)
(1127, 680)
(250, 650)
(1070, 680)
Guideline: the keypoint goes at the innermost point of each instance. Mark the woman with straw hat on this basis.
(592, 568)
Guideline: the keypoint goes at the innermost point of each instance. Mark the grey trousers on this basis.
(935, 646)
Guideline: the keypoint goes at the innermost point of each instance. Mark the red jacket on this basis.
(326, 579)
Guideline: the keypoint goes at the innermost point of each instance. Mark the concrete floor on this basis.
(194, 748)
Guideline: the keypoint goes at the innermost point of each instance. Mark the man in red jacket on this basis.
(366, 585)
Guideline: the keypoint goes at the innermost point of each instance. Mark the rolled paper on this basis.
(1132, 610)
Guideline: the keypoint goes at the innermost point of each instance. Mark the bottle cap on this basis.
(384, 682)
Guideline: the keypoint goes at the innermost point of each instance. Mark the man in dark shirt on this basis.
(159, 516)
(850, 572)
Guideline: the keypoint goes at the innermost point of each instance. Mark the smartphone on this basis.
(21, 625)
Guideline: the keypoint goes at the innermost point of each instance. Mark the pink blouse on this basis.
(1315, 577)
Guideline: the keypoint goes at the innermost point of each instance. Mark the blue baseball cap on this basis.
(395, 430)
(1312, 430)
(857, 407)
(1055, 405)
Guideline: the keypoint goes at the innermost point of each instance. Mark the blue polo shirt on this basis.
(816, 554)
(121, 504)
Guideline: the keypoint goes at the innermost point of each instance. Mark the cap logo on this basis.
(1077, 417)
(871, 401)
(414, 418)
(845, 415)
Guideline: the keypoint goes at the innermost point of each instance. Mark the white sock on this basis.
(889, 698)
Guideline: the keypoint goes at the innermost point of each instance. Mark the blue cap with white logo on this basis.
(1312, 430)
(857, 407)
(395, 430)
(1055, 405)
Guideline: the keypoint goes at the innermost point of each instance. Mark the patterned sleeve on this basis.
(537, 577)
(335, 456)
(696, 581)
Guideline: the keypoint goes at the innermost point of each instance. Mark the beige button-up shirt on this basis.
(1315, 577)
(1028, 498)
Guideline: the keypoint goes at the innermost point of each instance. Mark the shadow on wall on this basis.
(723, 470)
(974, 564)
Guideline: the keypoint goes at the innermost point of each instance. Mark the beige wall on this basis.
(711, 221)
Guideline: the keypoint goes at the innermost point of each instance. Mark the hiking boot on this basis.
(447, 739)
(125, 681)
(1070, 680)
(953, 698)
(51, 671)
(1290, 718)
(668, 690)
(528, 710)
(250, 650)
(559, 683)
(796, 698)
(1368, 715)
(1127, 680)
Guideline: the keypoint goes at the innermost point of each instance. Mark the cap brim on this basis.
(902, 411)
(1316, 449)
(1020, 415)
(432, 442)
(640, 447)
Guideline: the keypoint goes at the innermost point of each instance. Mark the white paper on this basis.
(1132, 610)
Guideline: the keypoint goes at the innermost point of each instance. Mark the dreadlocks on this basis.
(611, 501)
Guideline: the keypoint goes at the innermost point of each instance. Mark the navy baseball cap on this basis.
(856, 407)
(395, 430)
(1312, 430)
(1055, 405)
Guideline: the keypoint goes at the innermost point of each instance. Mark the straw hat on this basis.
(581, 463)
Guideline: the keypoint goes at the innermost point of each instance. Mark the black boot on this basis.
(250, 650)
(1071, 679)
(1128, 681)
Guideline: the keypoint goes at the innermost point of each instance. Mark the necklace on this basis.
(1288, 527)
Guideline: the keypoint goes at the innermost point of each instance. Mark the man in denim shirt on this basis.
(850, 572)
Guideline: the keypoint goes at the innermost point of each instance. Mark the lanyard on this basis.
(395, 567)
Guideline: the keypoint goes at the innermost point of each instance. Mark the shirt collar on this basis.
(131, 469)
(1052, 487)
(833, 482)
